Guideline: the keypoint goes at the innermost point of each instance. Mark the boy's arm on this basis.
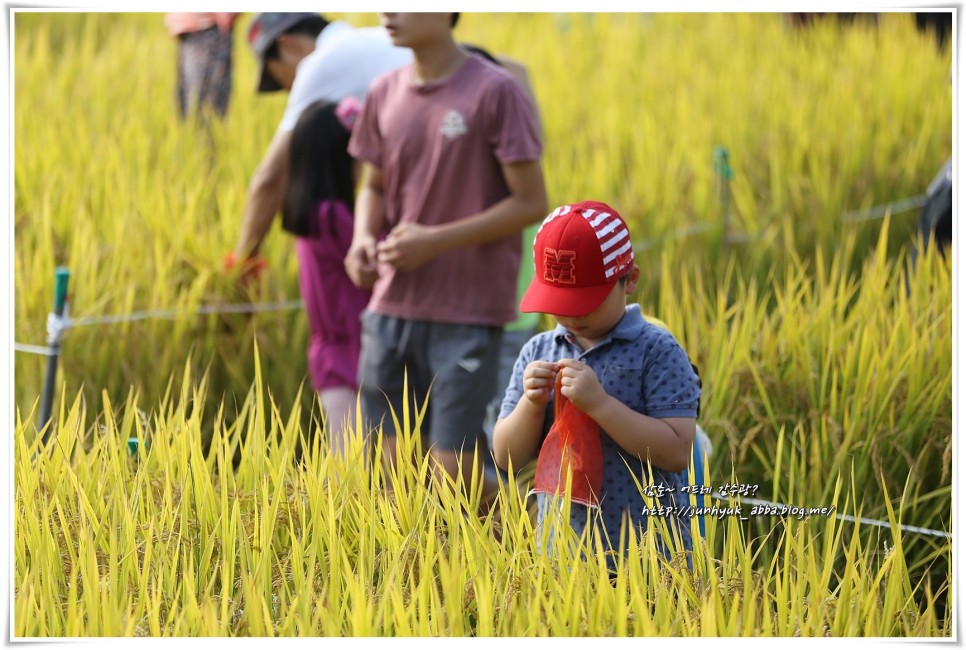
(516, 438)
(665, 442)
(360, 260)
(409, 246)
(265, 194)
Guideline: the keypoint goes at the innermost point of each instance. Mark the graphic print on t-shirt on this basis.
(453, 125)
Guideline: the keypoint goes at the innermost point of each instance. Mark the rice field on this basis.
(826, 357)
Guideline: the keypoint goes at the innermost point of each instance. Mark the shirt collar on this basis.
(631, 325)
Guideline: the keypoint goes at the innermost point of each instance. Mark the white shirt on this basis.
(344, 63)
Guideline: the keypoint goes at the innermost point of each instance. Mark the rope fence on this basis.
(855, 216)
(171, 314)
(33, 349)
(843, 517)
(880, 211)
(65, 323)
(56, 326)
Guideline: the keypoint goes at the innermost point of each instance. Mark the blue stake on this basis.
(61, 277)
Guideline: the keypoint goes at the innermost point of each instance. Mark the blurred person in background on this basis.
(936, 218)
(313, 59)
(318, 209)
(204, 61)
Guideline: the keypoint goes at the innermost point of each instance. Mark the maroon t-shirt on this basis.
(439, 147)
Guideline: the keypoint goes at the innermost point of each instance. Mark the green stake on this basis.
(61, 278)
(724, 172)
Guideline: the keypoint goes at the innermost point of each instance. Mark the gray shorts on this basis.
(456, 364)
(513, 342)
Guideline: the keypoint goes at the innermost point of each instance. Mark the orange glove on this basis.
(250, 269)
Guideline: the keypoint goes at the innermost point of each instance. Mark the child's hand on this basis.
(580, 385)
(360, 262)
(538, 381)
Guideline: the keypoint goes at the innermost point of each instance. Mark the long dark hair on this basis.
(320, 169)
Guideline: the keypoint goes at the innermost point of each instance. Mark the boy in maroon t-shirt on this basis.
(451, 147)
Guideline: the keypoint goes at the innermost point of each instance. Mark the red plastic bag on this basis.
(574, 440)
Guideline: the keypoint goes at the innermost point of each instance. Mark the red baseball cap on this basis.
(580, 252)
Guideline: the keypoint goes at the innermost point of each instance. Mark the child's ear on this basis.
(630, 285)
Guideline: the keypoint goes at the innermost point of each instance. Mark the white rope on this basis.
(856, 216)
(241, 308)
(33, 349)
(879, 211)
(57, 325)
(861, 520)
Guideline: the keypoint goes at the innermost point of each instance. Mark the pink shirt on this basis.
(439, 147)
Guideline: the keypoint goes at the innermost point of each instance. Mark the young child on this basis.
(452, 176)
(631, 377)
(317, 208)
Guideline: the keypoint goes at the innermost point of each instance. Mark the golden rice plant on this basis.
(171, 542)
(826, 357)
